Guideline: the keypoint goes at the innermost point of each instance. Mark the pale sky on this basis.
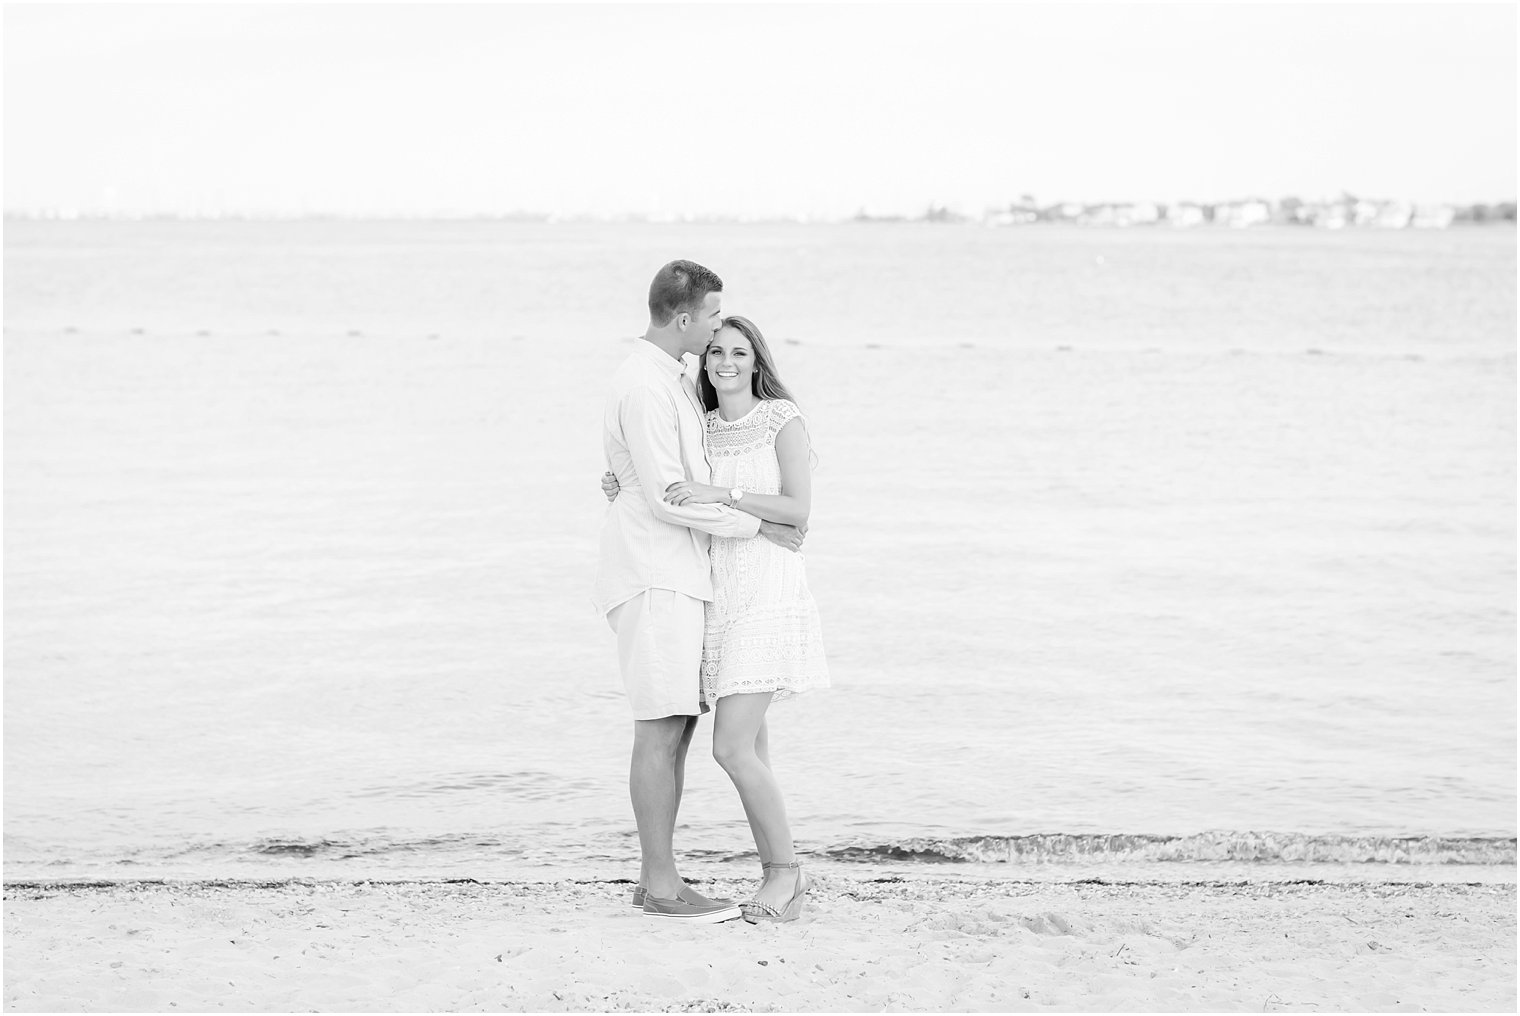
(749, 110)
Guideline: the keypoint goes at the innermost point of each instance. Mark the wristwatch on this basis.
(736, 495)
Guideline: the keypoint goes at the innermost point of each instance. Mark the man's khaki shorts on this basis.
(659, 636)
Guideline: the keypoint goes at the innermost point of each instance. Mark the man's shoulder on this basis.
(633, 369)
(635, 378)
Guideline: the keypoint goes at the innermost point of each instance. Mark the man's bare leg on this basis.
(691, 729)
(656, 776)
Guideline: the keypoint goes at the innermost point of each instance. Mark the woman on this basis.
(763, 641)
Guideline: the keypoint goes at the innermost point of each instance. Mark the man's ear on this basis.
(683, 321)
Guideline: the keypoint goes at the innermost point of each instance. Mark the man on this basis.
(654, 574)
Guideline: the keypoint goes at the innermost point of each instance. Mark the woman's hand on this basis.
(610, 486)
(687, 492)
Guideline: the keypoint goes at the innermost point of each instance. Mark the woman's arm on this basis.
(646, 416)
(790, 507)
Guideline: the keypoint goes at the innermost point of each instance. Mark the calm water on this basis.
(1133, 548)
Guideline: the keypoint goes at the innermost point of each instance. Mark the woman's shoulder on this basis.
(780, 413)
(782, 410)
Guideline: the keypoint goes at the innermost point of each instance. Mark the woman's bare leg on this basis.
(763, 753)
(763, 746)
(738, 744)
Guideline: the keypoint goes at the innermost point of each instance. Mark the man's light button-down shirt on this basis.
(653, 436)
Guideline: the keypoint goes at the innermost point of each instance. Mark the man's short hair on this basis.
(680, 286)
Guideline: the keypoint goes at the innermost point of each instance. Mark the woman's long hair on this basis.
(765, 382)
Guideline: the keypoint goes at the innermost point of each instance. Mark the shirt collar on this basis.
(657, 355)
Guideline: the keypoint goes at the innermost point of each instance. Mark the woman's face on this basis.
(730, 362)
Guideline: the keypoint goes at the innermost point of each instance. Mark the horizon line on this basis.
(1024, 212)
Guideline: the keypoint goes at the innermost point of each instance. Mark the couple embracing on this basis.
(701, 579)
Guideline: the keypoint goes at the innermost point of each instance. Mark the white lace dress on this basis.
(763, 632)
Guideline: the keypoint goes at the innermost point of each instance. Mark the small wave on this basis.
(344, 849)
(297, 848)
(524, 785)
(1249, 847)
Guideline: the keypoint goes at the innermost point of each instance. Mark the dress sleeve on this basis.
(782, 412)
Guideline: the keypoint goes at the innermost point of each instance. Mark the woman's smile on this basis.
(729, 361)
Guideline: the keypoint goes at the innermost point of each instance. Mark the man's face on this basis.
(703, 324)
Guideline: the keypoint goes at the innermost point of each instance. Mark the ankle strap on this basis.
(778, 864)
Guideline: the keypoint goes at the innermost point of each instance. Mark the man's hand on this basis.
(610, 486)
(789, 537)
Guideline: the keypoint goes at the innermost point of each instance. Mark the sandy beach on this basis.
(865, 945)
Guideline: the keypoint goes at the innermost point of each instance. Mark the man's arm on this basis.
(649, 428)
(778, 533)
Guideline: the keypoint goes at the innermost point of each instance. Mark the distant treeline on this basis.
(1347, 210)
(1344, 211)
(1503, 212)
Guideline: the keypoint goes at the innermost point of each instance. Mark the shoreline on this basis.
(1497, 875)
(894, 944)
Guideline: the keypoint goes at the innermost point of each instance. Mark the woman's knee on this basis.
(733, 753)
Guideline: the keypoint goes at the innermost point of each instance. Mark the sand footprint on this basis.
(1049, 924)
